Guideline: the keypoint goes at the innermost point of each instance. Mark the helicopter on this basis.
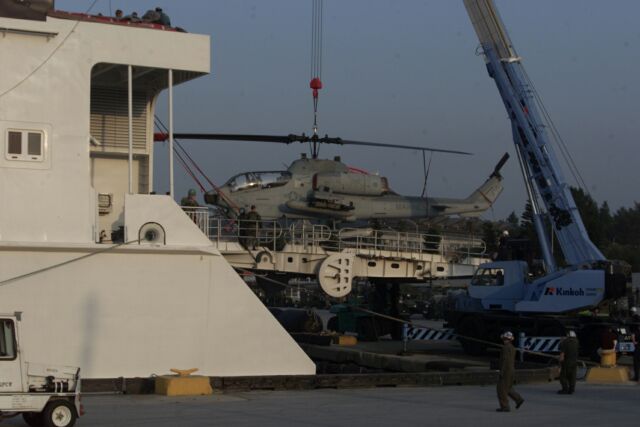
(314, 188)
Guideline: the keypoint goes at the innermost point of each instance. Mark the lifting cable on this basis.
(54, 266)
(412, 324)
(564, 150)
(181, 156)
(316, 57)
(426, 169)
(53, 52)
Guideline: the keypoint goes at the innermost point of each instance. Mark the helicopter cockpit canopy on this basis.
(248, 180)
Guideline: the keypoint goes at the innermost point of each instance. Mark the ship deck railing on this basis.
(274, 235)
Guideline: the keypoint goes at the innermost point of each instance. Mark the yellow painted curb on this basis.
(612, 375)
(345, 340)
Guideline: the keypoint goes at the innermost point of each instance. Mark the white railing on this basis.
(199, 215)
(401, 242)
(272, 235)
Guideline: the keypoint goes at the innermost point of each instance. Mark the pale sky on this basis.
(406, 72)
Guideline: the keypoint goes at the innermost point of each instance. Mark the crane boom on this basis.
(543, 176)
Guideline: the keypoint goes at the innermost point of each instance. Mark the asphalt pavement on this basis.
(441, 406)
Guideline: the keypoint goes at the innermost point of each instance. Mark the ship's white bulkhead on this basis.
(91, 293)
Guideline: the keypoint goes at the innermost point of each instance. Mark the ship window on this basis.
(7, 340)
(15, 143)
(34, 144)
(25, 145)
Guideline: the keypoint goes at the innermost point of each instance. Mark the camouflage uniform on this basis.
(506, 377)
(187, 201)
(252, 228)
(190, 199)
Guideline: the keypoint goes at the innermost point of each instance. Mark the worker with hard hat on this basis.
(507, 375)
(568, 363)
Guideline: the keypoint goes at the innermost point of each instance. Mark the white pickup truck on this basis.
(45, 395)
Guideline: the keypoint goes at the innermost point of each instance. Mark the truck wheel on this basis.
(33, 419)
(59, 413)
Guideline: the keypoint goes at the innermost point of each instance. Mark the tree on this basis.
(588, 209)
(513, 222)
(490, 236)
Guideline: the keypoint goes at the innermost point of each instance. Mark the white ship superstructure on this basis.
(109, 276)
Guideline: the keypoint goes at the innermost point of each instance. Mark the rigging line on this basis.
(162, 126)
(217, 189)
(321, 25)
(186, 167)
(53, 52)
(426, 170)
(61, 264)
(564, 149)
(404, 321)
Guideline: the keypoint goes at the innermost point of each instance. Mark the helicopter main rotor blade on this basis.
(283, 139)
(291, 138)
(404, 147)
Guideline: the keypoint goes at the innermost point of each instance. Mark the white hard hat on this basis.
(505, 233)
(507, 335)
(634, 310)
(571, 333)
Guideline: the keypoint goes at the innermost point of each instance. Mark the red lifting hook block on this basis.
(315, 84)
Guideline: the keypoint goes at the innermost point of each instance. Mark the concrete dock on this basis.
(442, 406)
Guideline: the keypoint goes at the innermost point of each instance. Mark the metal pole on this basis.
(130, 107)
(171, 133)
(521, 340)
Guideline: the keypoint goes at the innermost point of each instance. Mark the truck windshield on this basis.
(488, 277)
(7, 340)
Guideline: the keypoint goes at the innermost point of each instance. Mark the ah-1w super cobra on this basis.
(313, 188)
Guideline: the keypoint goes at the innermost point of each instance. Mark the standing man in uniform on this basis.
(507, 374)
(635, 338)
(568, 363)
(242, 227)
(253, 227)
(190, 200)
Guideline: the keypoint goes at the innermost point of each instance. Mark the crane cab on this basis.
(500, 285)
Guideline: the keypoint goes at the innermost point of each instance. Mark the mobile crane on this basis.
(503, 294)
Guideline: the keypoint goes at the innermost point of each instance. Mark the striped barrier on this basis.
(428, 334)
(541, 344)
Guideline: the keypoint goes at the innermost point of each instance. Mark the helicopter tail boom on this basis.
(478, 202)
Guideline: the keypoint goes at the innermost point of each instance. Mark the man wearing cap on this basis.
(507, 373)
(190, 200)
(568, 363)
